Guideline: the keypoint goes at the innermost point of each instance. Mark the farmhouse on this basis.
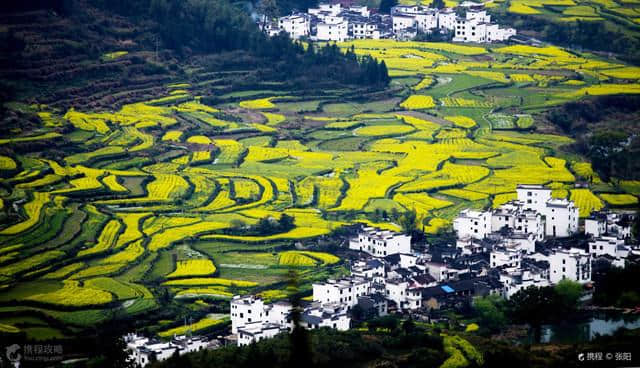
(252, 320)
(144, 350)
(602, 223)
(573, 264)
(345, 291)
(380, 243)
(296, 25)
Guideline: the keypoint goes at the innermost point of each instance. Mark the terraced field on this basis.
(170, 197)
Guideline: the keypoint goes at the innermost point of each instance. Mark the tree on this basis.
(569, 293)
(408, 221)
(114, 352)
(635, 228)
(534, 306)
(286, 222)
(408, 326)
(386, 5)
(299, 337)
(438, 4)
(384, 73)
(238, 224)
(268, 9)
(490, 310)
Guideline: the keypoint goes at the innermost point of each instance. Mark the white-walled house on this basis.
(561, 218)
(533, 197)
(471, 223)
(573, 264)
(501, 256)
(278, 313)
(407, 16)
(333, 28)
(447, 19)
(380, 243)
(252, 320)
(521, 220)
(326, 9)
(561, 215)
(245, 310)
(405, 298)
(143, 350)
(372, 269)
(476, 26)
(296, 25)
(521, 241)
(440, 271)
(362, 10)
(364, 30)
(402, 22)
(343, 291)
(258, 331)
(326, 315)
(514, 281)
(534, 212)
(469, 245)
(608, 223)
(334, 22)
(609, 245)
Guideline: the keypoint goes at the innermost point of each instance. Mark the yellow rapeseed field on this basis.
(418, 102)
(193, 267)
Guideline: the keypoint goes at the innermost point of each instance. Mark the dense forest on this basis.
(205, 27)
(606, 131)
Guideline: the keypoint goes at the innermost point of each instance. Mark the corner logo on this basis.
(13, 354)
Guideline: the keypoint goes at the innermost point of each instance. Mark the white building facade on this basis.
(573, 264)
(380, 243)
(474, 224)
(296, 25)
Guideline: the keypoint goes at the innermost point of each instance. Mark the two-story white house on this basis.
(501, 256)
(380, 243)
(404, 297)
(343, 291)
(472, 223)
(573, 264)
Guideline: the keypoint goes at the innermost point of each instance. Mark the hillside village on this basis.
(527, 242)
(333, 22)
(499, 251)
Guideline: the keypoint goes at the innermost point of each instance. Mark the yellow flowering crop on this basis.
(417, 102)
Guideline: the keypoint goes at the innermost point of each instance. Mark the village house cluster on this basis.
(144, 350)
(333, 22)
(499, 251)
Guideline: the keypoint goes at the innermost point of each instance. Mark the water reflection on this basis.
(599, 324)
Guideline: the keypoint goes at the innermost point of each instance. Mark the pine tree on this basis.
(384, 73)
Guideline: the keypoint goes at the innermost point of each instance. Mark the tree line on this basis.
(226, 30)
(218, 26)
(586, 34)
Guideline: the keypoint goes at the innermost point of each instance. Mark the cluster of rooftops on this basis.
(334, 22)
(535, 246)
(531, 241)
